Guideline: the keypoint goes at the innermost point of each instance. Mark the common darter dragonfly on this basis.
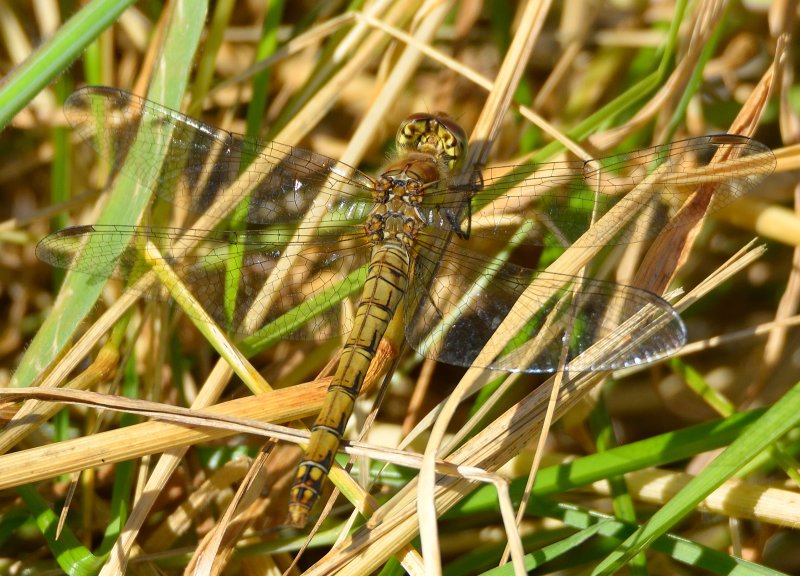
(315, 228)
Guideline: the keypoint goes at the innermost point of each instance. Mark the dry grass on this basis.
(527, 82)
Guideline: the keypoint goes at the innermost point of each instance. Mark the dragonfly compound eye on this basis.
(436, 134)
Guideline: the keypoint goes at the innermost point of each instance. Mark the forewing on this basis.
(314, 300)
(209, 170)
(566, 198)
(596, 325)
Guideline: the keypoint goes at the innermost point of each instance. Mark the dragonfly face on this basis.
(435, 134)
(375, 244)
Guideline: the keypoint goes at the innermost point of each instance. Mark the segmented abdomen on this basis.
(383, 291)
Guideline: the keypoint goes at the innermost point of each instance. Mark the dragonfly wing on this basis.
(209, 170)
(104, 251)
(596, 325)
(566, 198)
(313, 300)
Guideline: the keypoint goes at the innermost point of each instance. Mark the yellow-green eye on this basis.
(435, 134)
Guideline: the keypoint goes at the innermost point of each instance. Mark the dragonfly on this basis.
(319, 249)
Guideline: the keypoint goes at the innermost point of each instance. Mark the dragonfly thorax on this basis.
(398, 197)
(394, 227)
(395, 220)
(410, 173)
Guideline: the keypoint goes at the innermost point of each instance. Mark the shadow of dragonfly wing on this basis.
(209, 170)
(565, 198)
(314, 301)
(471, 296)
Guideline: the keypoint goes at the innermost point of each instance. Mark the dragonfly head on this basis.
(436, 134)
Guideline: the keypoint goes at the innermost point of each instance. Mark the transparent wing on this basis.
(280, 182)
(277, 181)
(462, 298)
(602, 325)
(315, 300)
(566, 197)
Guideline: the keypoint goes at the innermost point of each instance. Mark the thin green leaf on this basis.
(777, 421)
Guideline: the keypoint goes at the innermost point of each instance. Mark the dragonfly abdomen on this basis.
(383, 291)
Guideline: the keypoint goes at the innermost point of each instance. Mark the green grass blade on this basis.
(269, 335)
(602, 428)
(127, 201)
(255, 117)
(593, 524)
(656, 451)
(72, 557)
(777, 421)
(701, 387)
(53, 57)
(125, 472)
